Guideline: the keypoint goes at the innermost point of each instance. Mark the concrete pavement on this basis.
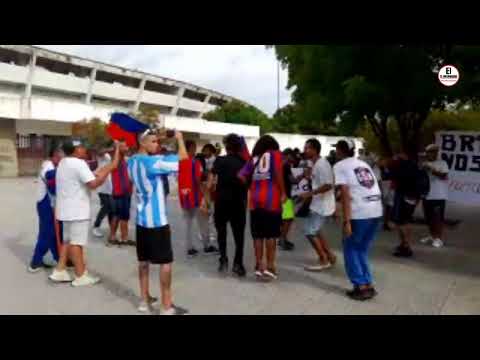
(435, 281)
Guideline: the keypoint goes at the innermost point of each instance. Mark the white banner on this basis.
(303, 186)
(461, 151)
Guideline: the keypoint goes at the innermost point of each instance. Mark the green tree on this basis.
(92, 131)
(372, 84)
(466, 120)
(235, 112)
(147, 115)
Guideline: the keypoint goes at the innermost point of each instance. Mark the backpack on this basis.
(422, 184)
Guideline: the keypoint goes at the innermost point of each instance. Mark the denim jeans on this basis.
(356, 248)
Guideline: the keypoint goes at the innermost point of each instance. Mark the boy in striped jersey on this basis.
(153, 232)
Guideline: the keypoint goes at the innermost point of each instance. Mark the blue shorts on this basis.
(314, 223)
(121, 207)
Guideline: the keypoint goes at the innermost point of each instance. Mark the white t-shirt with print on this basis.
(438, 187)
(323, 204)
(363, 185)
(73, 194)
(106, 187)
(42, 186)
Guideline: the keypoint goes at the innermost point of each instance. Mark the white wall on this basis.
(201, 126)
(54, 128)
(298, 141)
(59, 82)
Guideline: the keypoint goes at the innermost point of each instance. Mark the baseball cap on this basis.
(69, 146)
(432, 147)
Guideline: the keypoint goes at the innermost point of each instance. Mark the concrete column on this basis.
(27, 98)
(93, 76)
(205, 103)
(180, 93)
(136, 106)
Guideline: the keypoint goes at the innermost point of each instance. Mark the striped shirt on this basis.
(145, 173)
(189, 178)
(264, 188)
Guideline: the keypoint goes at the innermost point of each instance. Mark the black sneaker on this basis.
(360, 295)
(286, 245)
(370, 290)
(289, 245)
(223, 267)
(239, 270)
(192, 252)
(210, 250)
(403, 251)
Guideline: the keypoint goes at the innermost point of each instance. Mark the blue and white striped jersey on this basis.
(144, 172)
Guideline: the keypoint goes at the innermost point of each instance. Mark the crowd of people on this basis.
(216, 190)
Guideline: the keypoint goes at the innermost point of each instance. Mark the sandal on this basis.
(111, 243)
(131, 243)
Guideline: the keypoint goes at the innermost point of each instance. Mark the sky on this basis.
(247, 72)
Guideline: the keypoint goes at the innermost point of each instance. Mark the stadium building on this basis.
(42, 93)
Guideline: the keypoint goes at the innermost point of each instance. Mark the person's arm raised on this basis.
(102, 174)
(182, 150)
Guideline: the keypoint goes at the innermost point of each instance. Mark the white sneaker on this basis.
(85, 280)
(174, 310)
(33, 270)
(437, 243)
(426, 240)
(60, 276)
(146, 307)
(319, 267)
(97, 232)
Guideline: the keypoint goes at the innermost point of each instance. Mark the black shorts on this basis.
(402, 211)
(434, 210)
(154, 245)
(265, 224)
(121, 207)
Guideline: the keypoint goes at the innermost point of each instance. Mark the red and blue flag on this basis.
(244, 152)
(123, 127)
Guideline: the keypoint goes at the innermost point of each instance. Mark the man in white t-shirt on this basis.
(362, 212)
(322, 205)
(105, 195)
(434, 203)
(74, 181)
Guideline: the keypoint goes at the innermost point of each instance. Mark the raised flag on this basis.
(244, 153)
(123, 127)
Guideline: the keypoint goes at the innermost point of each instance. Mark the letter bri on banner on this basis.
(461, 151)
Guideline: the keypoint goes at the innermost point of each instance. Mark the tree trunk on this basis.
(410, 125)
(381, 131)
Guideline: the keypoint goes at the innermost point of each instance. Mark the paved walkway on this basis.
(445, 281)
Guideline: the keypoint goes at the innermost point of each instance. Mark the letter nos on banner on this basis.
(461, 151)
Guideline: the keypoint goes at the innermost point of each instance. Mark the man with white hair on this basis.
(434, 202)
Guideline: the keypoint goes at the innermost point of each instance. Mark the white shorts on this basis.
(314, 223)
(76, 232)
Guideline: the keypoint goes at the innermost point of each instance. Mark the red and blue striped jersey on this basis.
(189, 179)
(121, 184)
(265, 192)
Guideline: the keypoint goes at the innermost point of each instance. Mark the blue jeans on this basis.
(46, 239)
(355, 250)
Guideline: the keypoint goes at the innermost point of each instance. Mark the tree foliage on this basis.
(92, 131)
(235, 112)
(436, 121)
(373, 84)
